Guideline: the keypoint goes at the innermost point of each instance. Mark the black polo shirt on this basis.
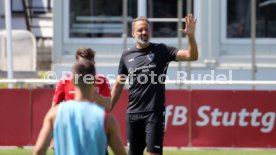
(146, 69)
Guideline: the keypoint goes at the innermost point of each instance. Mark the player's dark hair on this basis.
(83, 73)
(85, 53)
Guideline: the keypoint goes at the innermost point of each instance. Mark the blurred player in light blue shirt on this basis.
(75, 133)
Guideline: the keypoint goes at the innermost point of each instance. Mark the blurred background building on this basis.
(223, 34)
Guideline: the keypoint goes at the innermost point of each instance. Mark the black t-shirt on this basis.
(146, 69)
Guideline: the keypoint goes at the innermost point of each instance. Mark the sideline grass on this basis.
(166, 152)
(20, 152)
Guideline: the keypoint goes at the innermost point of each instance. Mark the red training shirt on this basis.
(65, 89)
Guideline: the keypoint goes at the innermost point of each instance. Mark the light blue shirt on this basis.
(79, 129)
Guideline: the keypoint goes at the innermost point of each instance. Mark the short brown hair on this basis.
(86, 53)
(81, 70)
(143, 18)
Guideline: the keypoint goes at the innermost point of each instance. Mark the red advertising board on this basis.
(41, 102)
(233, 118)
(15, 117)
(177, 118)
(204, 118)
(119, 112)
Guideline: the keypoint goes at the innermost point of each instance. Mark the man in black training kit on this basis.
(146, 66)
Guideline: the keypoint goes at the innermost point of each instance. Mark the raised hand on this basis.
(190, 23)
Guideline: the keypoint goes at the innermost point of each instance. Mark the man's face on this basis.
(141, 32)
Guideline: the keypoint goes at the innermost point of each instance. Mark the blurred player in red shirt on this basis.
(65, 88)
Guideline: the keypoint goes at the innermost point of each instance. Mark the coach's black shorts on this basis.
(145, 130)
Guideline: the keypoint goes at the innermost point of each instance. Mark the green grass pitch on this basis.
(167, 152)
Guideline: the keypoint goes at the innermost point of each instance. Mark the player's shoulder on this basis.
(52, 113)
(64, 80)
(129, 50)
(100, 76)
(67, 77)
(159, 45)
